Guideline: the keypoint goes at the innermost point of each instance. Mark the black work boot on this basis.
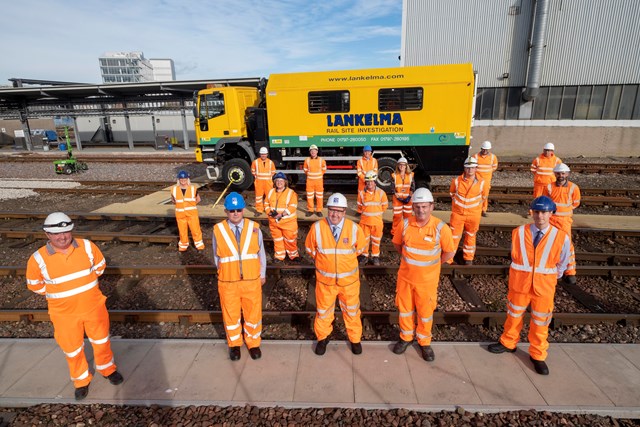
(234, 353)
(81, 392)
(321, 347)
(356, 348)
(401, 346)
(115, 378)
(427, 353)
(570, 280)
(540, 366)
(498, 348)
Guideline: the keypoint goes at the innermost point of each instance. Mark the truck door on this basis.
(212, 117)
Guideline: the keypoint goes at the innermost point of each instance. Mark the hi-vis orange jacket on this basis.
(487, 165)
(336, 262)
(365, 166)
(69, 281)
(315, 168)
(467, 196)
(566, 198)
(237, 263)
(185, 203)
(536, 270)
(402, 187)
(372, 205)
(263, 170)
(542, 168)
(285, 203)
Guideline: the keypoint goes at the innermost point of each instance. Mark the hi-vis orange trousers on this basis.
(184, 224)
(69, 330)
(373, 234)
(400, 211)
(242, 297)
(262, 187)
(315, 190)
(424, 299)
(541, 314)
(349, 298)
(469, 226)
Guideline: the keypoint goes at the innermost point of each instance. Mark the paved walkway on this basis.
(593, 378)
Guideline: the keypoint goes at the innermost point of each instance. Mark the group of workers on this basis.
(66, 269)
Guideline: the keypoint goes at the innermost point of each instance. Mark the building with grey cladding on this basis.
(563, 71)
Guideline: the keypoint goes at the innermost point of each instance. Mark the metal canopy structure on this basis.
(74, 100)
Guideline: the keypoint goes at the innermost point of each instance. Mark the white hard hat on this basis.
(486, 145)
(264, 150)
(561, 168)
(471, 162)
(422, 195)
(313, 147)
(402, 160)
(337, 200)
(57, 222)
(370, 176)
(549, 146)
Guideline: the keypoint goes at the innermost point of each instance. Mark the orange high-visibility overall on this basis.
(263, 171)
(76, 305)
(187, 216)
(371, 206)
(566, 198)
(487, 165)
(542, 169)
(239, 282)
(337, 275)
(419, 274)
(467, 197)
(365, 166)
(315, 169)
(402, 186)
(284, 231)
(532, 280)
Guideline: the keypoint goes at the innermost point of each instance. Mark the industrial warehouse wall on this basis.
(570, 141)
(141, 127)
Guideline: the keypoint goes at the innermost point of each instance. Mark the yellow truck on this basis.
(423, 113)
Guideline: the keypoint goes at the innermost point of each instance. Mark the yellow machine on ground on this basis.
(423, 113)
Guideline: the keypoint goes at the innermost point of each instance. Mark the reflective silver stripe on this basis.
(233, 327)
(408, 314)
(407, 332)
(545, 254)
(516, 307)
(372, 213)
(428, 319)
(252, 325)
(71, 292)
(423, 336)
(568, 213)
(82, 376)
(69, 277)
(74, 353)
(256, 336)
(234, 337)
(465, 206)
(237, 258)
(105, 366)
(335, 275)
(512, 314)
(41, 290)
(100, 341)
(540, 314)
(333, 251)
(541, 323)
(331, 308)
(420, 263)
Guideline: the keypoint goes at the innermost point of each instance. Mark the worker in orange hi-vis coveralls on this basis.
(468, 193)
(314, 168)
(566, 195)
(281, 204)
(539, 255)
(66, 271)
(238, 254)
(263, 170)
(365, 164)
(487, 165)
(372, 202)
(424, 242)
(542, 169)
(334, 244)
(402, 186)
(185, 196)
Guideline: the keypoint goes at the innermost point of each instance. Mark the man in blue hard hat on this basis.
(365, 164)
(540, 254)
(239, 256)
(185, 196)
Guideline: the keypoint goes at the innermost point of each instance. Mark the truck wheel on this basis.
(386, 166)
(237, 170)
(68, 169)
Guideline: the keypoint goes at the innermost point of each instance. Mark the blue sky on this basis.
(62, 40)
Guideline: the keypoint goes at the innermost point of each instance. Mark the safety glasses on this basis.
(234, 210)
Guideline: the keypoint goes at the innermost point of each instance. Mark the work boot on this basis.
(319, 214)
(401, 346)
(540, 366)
(468, 262)
(356, 348)
(375, 260)
(569, 280)
(484, 214)
(321, 347)
(234, 353)
(255, 353)
(81, 392)
(115, 378)
(308, 214)
(498, 348)
(363, 260)
(427, 353)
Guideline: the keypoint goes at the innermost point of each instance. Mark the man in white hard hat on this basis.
(66, 271)
(468, 193)
(314, 168)
(372, 202)
(334, 244)
(542, 169)
(263, 170)
(365, 164)
(566, 196)
(487, 165)
(424, 243)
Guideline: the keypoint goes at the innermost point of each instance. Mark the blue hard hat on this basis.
(543, 204)
(234, 201)
(280, 175)
(367, 148)
(183, 174)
